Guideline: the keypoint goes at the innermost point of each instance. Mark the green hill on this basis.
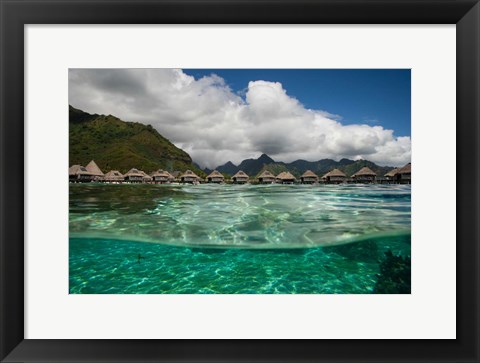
(120, 145)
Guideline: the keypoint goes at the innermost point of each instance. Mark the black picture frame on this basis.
(15, 14)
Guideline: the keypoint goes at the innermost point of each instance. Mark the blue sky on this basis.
(360, 96)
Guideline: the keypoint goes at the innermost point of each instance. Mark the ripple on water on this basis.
(245, 216)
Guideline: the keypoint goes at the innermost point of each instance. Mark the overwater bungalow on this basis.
(93, 168)
(189, 177)
(146, 178)
(79, 174)
(134, 176)
(364, 175)
(309, 177)
(390, 176)
(404, 174)
(215, 177)
(266, 177)
(171, 178)
(285, 178)
(161, 177)
(240, 178)
(113, 176)
(334, 176)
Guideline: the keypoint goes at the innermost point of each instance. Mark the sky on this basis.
(220, 115)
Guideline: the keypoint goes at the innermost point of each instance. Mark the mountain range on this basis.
(254, 166)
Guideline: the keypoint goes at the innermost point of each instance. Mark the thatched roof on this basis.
(215, 174)
(337, 173)
(365, 171)
(240, 174)
(392, 172)
(407, 169)
(93, 168)
(134, 172)
(161, 173)
(176, 173)
(266, 174)
(78, 170)
(73, 169)
(113, 175)
(309, 174)
(145, 175)
(189, 174)
(285, 175)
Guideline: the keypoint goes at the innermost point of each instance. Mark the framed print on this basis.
(240, 181)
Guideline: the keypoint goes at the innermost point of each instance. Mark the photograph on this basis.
(239, 181)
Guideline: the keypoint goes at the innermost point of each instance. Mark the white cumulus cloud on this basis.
(215, 125)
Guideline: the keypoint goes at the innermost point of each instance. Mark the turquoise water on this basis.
(234, 239)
